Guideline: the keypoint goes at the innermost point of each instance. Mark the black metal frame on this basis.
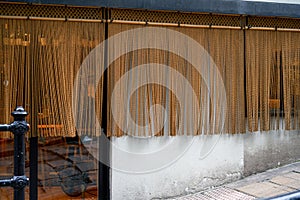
(104, 170)
(18, 127)
(275, 8)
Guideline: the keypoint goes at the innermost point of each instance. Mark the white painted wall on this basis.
(205, 161)
(161, 167)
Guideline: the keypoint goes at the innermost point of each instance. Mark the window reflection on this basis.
(66, 170)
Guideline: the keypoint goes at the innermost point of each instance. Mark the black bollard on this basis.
(19, 127)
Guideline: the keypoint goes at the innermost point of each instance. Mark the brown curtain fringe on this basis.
(272, 80)
(224, 46)
(40, 60)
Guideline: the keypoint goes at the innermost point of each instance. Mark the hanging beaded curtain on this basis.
(15, 63)
(64, 50)
(260, 45)
(290, 60)
(40, 62)
(272, 80)
(225, 47)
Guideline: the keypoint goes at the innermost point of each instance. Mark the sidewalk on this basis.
(267, 184)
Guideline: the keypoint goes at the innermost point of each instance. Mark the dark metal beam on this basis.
(277, 8)
(104, 179)
(33, 168)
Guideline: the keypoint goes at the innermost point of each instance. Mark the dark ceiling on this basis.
(280, 8)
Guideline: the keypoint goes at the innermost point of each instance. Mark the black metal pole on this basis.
(104, 150)
(33, 168)
(6, 182)
(19, 127)
(4, 127)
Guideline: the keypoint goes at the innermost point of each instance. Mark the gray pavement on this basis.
(271, 183)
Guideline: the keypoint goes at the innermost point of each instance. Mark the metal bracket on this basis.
(19, 127)
(17, 182)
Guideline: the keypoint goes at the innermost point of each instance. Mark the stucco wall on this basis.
(206, 161)
(270, 149)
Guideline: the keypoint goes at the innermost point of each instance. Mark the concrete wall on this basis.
(161, 167)
(270, 149)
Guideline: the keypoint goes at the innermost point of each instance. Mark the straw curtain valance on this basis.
(39, 63)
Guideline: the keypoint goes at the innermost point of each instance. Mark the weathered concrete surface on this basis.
(271, 183)
(267, 150)
(217, 162)
(204, 164)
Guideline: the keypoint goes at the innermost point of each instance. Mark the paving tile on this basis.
(288, 182)
(45, 156)
(268, 184)
(263, 189)
(86, 166)
(224, 193)
(295, 185)
(221, 193)
(255, 188)
(50, 182)
(277, 192)
(293, 175)
(46, 172)
(59, 164)
(282, 180)
(78, 158)
(197, 196)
